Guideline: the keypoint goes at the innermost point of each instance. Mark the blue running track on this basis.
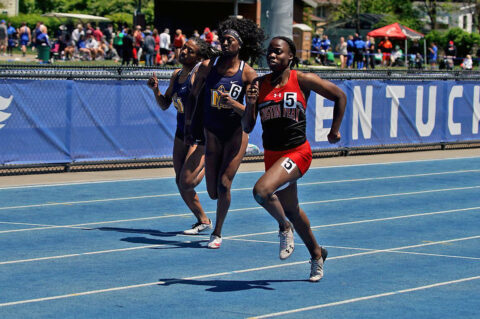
(403, 241)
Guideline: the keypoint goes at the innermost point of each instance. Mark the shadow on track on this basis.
(227, 285)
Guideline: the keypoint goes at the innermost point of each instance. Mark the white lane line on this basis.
(372, 220)
(244, 172)
(82, 226)
(385, 294)
(221, 274)
(176, 194)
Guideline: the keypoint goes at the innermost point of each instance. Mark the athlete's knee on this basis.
(186, 183)
(261, 194)
(224, 185)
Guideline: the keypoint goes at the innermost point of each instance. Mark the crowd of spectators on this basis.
(85, 42)
(130, 45)
(357, 53)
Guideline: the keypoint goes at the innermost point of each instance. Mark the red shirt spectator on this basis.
(98, 34)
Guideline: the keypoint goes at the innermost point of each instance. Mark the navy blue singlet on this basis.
(179, 99)
(220, 119)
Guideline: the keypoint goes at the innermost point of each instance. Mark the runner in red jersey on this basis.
(280, 99)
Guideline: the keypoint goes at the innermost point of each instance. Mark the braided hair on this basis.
(293, 50)
(252, 37)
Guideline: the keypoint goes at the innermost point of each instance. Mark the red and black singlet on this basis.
(282, 112)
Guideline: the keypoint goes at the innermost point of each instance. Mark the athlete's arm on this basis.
(163, 100)
(248, 76)
(312, 82)
(249, 118)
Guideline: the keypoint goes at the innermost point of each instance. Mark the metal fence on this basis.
(40, 72)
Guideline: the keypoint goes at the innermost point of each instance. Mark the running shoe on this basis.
(286, 242)
(316, 270)
(198, 228)
(215, 242)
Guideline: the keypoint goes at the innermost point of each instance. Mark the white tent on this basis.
(79, 16)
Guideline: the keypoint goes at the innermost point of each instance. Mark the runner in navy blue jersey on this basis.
(188, 160)
(223, 82)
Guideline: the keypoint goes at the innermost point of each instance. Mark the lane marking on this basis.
(81, 226)
(91, 292)
(176, 194)
(385, 294)
(237, 237)
(242, 172)
(166, 195)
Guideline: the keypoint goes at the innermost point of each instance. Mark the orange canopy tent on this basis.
(400, 32)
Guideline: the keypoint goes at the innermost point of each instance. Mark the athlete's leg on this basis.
(233, 152)
(265, 188)
(183, 161)
(213, 157)
(289, 201)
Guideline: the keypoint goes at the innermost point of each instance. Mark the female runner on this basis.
(223, 81)
(188, 160)
(280, 99)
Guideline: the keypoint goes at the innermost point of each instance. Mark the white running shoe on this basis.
(286, 243)
(198, 228)
(316, 270)
(215, 242)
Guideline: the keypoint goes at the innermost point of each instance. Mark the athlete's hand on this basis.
(252, 93)
(226, 100)
(333, 137)
(153, 82)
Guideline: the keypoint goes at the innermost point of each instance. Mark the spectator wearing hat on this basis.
(3, 37)
(149, 48)
(451, 54)
(207, 35)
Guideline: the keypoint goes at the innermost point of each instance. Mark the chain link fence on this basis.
(93, 73)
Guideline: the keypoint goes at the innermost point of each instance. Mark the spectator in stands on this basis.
(207, 35)
(418, 61)
(330, 58)
(386, 47)
(149, 48)
(165, 45)
(118, 42)
(451, 55)
(397, 57)
(467, 63)
(12, 38)
(324, 46)
(77, 33)
(63, 38)
(316, 48)
(433, 55)
(98, 34)
(3, 37)
(359, 52)
(42, 36)
(370, 53)
(350, 51)
(138, 44)
(343, 53)
(25, 37)
(127, 49)
(178, 42)
(157, 59)
(91, 46)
